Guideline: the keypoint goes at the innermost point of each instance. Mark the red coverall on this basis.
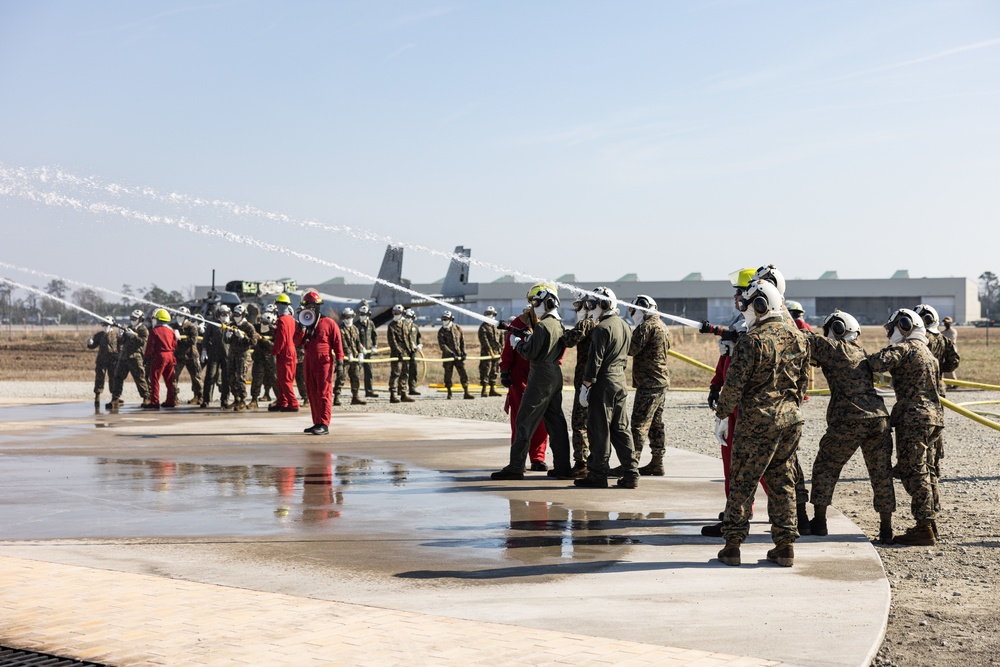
(160, 361)
(323, 349)
(518, 367)
(284, 361)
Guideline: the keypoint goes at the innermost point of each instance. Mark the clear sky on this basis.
(594, 138)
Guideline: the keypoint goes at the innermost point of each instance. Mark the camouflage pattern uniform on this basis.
(351, 341)
(946, 353)
(264, 367)
(579, 337)
(917, 417)
(651, 379)
(400, 347)
(216, 366)
(490, 345)
(415, 340)
(130, 360)
(766, 379)
(106, 344)
(451, 340)
(856, 417)
(239, 359)
(188, 358)
(607, 419)
(369, 340)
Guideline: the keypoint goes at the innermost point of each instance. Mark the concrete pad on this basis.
(398, 513)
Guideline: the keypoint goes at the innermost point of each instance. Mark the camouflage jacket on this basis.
(265, 343)
(852, 392)
(106, 344)
(367, 332)
(649, 348)
(609, 345)
(767, 377)
(946, 353)
(239, 344)
(490, 342)
(188, 341)
(579, 337)
(134, 344)
(915, 378)
(451, 341)
(398, 336)
(350, 338)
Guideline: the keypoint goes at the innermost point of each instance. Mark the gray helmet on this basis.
(397, 309)
(347, 312)
(490, 311)
(137, 314)
(446, 316)
(410, 314)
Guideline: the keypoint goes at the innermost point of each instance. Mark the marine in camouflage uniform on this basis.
(856, 417)
(451, 340)
(400, 347)
(917, 418)
(188, 358)
(264, 367)
(417, 344)
(216, 350)
(649, 349)
(353, 354)
(490, 345)
(579, 337)
(766, 379)
(607, 418)
(369, 343)
(946, 353)
(132, 346)
(242, 337)
(106, 344)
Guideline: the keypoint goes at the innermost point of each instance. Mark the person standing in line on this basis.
(951, 333)
(417, 345)
(263, 371)
(188, 356)
(649, 350)
(490, 346)
(130, 360)
(579, 337)
(242, 337)
(160, 360)
(452, 344)
(514, 372)
(285, 357)
(605, 391)
(215, 359)
(354, 355)
(369, 344)
(400, 347)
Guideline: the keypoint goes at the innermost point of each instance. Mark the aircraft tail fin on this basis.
(391, 271)
(456, 281)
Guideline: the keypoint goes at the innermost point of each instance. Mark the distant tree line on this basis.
(989, 295)
(36, 309)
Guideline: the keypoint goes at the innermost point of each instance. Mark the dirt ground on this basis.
(945, 598)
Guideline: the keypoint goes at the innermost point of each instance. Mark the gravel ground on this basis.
(944, 598)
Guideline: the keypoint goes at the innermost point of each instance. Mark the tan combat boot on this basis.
(655, 467)
(730, 554)
(921, 535)
(336, 399)
(484, 390)
(356, 399)
(783, 554)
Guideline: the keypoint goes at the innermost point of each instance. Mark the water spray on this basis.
(100, 318)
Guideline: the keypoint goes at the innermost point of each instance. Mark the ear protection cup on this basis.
(760, 305)
(905, 324)
(550, 303)
(838, 327)
(927, 318)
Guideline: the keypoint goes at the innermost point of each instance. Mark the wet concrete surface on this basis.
(398, 511)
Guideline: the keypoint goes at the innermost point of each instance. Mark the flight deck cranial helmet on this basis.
(771, 274)
(410, 314)
(929, 315)
(239, 313)
(841, 326)
(605, 298)
(268, 319)
(222, 312)
(447, 316)
(761, 302)
(183, 315)
(136, 316)
(364, 310)
(490, 311)
(397, 312)
(642, 301)
(902, 324)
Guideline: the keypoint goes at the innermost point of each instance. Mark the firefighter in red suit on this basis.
(320, 336)
(514, 375)
(284, 357)
(160, 360)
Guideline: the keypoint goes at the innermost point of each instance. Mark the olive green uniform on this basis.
(188, 358)
(106, 344)
(607, 417)
(451, 340)
(579, 337)
(242, 337)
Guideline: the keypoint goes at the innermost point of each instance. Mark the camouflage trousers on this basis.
(190, 362)
(216, 375)
(131, 364)
(353, 372)
(489, 370)
(578, 419)
(937, 453)
(647, 420)
(238, 362)
(607, 427)
(916, 468)
(766, 452)
(101, 369)
(450, 367)
(836, 448)
(263, 374)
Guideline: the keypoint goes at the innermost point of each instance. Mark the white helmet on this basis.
(490, 311)
(397, 309)
(269, 318)
(929, 315)
(136, 314)
(841, 326)
(239, 310)
(903, 324)
(446, 316)
(347, 313)
(606, 298)
(771, 274)
(642, 301)
(410, 314)
(762, 301)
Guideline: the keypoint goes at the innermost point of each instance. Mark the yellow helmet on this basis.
(282, 298)
(538, 288)
(162, 315)
(742, 277)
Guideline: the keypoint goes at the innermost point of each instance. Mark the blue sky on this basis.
(593, 138)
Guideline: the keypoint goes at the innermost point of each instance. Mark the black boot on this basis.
(803, 519)
(817, 526)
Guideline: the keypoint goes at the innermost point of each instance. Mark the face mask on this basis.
(134, 321)
(238, 319)
(265, 327)
(224, 318)
(897, 336)
(349, 322)
(539, 311)
(363, 317)
(446, 324)
(397, 318)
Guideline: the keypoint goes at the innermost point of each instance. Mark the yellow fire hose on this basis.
(972, 385)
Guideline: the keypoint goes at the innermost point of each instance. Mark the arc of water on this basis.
(28, 288)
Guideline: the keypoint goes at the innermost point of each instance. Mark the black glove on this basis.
(713, 396)
(502, 325)
(706, 327)
(730, 334)
(464, 356)
(339, 367)
(505, 378)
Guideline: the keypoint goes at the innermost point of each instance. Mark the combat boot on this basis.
(817, 526)
(413, 392)
(195, 401)
(493, 390)
(617, 471)
(590, 482)
(783, 554)
(357, 400)
(730, 554)
(715, 530)
(225, 405)
(253, 404)
(370, 394)
(239, 406)
(405, 398)
(467, 395)
(885, 528)
(114, 405)
(336, 399)
(580, 468)
(655, 467)
(449, 393)
(97, 397)
(803, 519)
(483, 393)
(393, 398)
(921, 535)
(628, 482)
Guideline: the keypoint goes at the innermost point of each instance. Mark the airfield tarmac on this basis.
(202, 537)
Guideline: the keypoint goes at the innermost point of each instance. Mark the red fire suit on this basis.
(324, 348)
(285, 361)
(160, 360)
(518, 367)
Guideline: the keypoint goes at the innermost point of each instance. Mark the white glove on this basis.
(350, 358)
(90, 342)
(726, 347)
(361, 357)
(584, 395)
(177, 334)
(722, 430)
(514, 340)
(374, 349)
(420, 346)
(229, 334)
(201, 328)
(204, 356)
